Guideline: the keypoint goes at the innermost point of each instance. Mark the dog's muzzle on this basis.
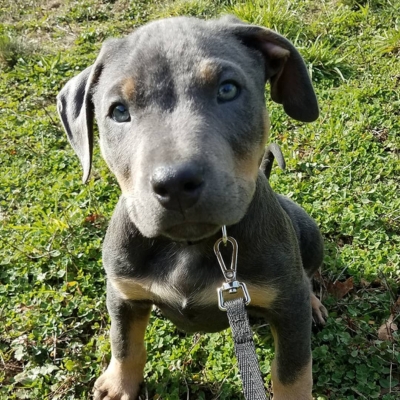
(178, 187)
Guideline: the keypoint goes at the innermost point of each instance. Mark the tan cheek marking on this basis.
(247, 169)
(265, 137)
(124, 183)
(128, 88)
(301, 389)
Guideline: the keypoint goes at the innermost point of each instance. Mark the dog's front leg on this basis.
(122, 379)
(292, 367)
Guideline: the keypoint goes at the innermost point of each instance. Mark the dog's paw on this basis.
(319, 312)
(116, 384)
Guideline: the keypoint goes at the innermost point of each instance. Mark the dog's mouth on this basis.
(191, 232)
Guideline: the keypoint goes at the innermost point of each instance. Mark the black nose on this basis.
(178, 187)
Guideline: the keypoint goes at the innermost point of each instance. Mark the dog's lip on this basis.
(191, 231)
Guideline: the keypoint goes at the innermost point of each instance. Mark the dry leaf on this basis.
(340, 289)
(92, 218)
(385, 332)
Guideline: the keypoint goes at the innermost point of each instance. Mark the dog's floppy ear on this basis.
(75, 107)
(76, 112)
(285, 69)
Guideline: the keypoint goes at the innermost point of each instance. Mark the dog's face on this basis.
(182, 120)
(185, 105)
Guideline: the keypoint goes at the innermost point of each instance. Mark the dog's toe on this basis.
(111, 386)
(319, 312)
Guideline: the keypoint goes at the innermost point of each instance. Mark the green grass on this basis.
(344, 169)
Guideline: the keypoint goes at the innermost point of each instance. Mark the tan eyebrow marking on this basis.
(207, 72)
(128, 88)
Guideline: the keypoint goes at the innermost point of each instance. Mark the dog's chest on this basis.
(185, 290)
(181, 284)
(182, 280)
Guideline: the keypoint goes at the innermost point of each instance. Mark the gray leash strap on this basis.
(253, 384)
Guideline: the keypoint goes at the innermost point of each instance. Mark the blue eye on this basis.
(227, 91)
(119, 113)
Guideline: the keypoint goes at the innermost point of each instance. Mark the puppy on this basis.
(182, 120)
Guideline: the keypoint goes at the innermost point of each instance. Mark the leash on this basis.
(253, 384)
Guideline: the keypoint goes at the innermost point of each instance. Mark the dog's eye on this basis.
(119, 113)
(227, 91)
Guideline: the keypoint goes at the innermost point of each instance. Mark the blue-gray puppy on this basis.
(181, 113)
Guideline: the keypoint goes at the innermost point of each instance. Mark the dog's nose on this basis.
(178, 187)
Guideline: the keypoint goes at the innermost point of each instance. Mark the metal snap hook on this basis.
(231, 285)
(229, 273)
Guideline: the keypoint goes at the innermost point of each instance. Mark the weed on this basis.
(390, 43)
(195, 8)
(12, 50)
(280, 15)
(343, 170)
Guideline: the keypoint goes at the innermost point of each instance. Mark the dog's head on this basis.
(182, 119)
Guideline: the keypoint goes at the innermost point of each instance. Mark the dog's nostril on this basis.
(160, 190)
(192, 186)
(178, 187)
